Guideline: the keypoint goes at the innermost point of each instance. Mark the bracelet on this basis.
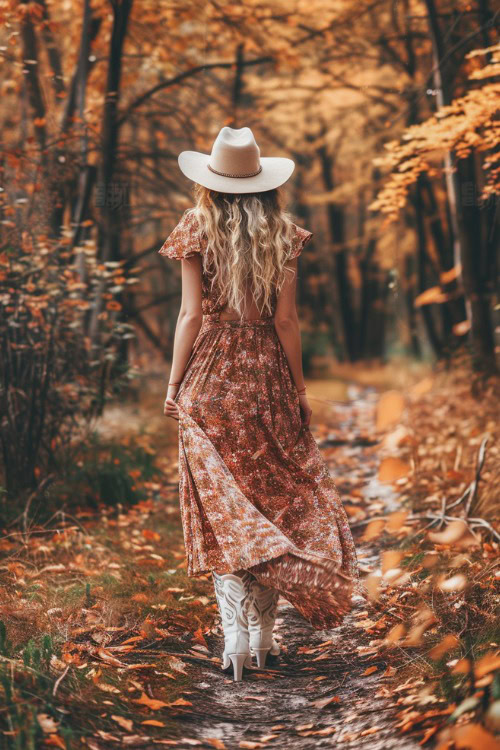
(301, 391)
(175, 383)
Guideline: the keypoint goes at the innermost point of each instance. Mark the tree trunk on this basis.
(410, 293)
(475, 274)
(443, 98)
(426, 311)
(336, 226)
(238, 83)
(109, 230)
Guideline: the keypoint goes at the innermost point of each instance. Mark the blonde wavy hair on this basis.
(249, 242)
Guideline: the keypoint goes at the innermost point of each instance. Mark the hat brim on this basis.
(276, 170)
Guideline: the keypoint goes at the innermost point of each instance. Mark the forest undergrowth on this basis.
(103, 635)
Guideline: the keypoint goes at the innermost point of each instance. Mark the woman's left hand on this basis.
(170, 408)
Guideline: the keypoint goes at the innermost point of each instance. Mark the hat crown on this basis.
(235, 153)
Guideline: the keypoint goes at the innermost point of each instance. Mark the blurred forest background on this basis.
(390, 109)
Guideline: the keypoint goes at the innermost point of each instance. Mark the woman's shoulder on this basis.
(184, 241)
(300, 237)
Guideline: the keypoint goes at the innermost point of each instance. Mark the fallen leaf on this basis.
(448, 643)
(254, 698)
(396, 633)
(177, 664)
(322, 702)
(107, 688)
(373, 530)
(451, 534)
(198, 636)
(391, 559)
(325, 732)
(428, 734)
(153, 723)
(389, 410)
(474, 737)
(392, 469)
(394, 522)
(487, 664)
(218, 744)
(180, 702)
(150, 702)
(127, 724)
(47, 723)
(368, 671)
(151, 536)
(109, 658)
(53, 740)
(455, 583)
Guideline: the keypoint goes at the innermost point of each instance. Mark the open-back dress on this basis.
(255, 492)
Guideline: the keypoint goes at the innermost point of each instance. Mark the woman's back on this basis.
(244, 263)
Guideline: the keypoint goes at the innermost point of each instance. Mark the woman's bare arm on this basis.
(187, 328)
(286, 323)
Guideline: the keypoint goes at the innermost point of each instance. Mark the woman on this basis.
(259, 508)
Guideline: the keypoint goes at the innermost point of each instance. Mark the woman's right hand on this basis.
(305, 410)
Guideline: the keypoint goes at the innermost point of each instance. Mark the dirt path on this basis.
(106, 643)
(328, 688)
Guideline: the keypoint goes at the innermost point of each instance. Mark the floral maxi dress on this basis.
(255, 492)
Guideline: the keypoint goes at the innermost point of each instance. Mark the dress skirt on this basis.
(255, 492)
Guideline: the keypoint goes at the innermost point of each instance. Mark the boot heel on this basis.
(261, 656)
(238, 662)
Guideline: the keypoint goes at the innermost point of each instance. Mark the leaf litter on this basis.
(429, 551)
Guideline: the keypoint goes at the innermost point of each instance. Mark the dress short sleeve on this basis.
(183, 241)
(300, 238)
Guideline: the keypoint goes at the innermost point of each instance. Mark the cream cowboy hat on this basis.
(235, 165)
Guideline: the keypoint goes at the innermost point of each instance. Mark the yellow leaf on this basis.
(373, 530)
(153, 723)
(396, 520)
(451, 534)
(391, 559)
(180, 702)
(460, 329)
(474, 737)
(392, 469)
(150, 702)
(396, 633)
(448, 643)
(124, 723)
(453, 273)
(488, 663)
(434, 295)
(390, 409)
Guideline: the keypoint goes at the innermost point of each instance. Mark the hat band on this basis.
(227, 174)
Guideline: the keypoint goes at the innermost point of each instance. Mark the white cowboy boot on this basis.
(232, 593)
(262, 609)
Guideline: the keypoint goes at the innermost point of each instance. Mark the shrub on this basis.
(54, 379)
